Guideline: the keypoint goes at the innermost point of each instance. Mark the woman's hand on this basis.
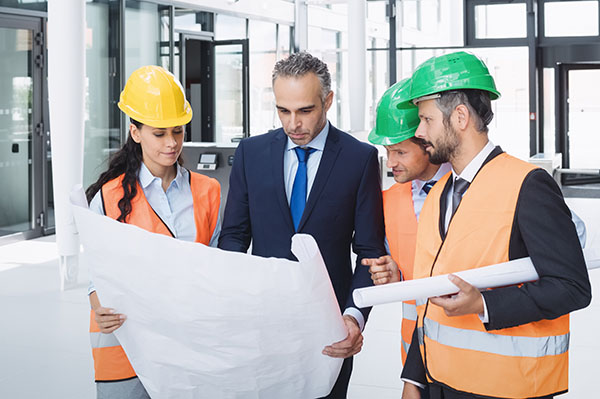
(106, 318)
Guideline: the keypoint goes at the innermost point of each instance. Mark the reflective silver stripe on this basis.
(420, 335)
(405, 345)
(505, 345)
(409, 311)
(101, 340)
(421, 302)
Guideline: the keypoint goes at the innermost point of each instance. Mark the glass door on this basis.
(232, 93)
(21, 128)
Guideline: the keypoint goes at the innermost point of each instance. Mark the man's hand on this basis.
(349, 346)
(411, 391)
(467, 301)
(383, 270)
(108, 321)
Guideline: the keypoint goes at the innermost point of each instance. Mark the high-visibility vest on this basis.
(401, 234)
(110, 361)
(526, 361)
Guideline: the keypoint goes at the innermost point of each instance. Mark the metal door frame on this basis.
(38, 190)
(562, 120)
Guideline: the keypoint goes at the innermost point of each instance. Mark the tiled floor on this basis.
(44, 346)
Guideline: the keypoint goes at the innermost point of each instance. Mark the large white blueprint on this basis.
(205, 323)
(507, 273)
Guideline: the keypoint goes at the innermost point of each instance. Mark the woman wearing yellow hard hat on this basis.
(146, 185)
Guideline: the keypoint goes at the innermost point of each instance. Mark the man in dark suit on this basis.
(309, 177)
(509, 342)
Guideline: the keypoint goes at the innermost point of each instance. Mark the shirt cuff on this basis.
(484, 317)
(357, 315)
(406, 380)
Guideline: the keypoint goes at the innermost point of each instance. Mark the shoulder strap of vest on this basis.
(444, 198)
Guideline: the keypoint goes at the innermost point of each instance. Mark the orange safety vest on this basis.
(526, 361)
(401, 233)
(110, 361)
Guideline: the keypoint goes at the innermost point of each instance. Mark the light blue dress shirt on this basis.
(418, 195)
(175, 206)
(290, 162)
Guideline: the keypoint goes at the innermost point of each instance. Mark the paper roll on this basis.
(509, 273)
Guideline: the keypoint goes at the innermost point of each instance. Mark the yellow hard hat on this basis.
(154, 97)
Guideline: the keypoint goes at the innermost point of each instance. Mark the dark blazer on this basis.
(344, 207)
(543, 230)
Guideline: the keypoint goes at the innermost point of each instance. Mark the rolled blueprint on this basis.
(508, 273)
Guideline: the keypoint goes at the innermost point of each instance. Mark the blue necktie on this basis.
(427, 186)
(298, 199)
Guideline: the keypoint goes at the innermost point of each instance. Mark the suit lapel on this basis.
(277, 151)
(330, 154)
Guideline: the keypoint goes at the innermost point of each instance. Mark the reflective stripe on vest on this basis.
(529, 360)
(101, 340)
(110, 361)
(409, 311)
(401, 233)
(505, 345)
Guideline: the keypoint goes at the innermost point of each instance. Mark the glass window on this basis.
(427, 23)
(584, 113)
(549, 115)
(571, 18)
(263, 55)
(378, 73)
(509, 67)
(283, 41)
(36, 5)
(102, 134)
(186, 19)
(491, 21)
(228, 93)
(142, 36)
(377, 10)
(229, 28)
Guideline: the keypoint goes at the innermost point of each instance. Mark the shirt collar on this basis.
(444, 168)
(473, 167)
(146, 177)
(318, 143)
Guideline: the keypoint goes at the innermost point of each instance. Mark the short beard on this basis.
(446, 148)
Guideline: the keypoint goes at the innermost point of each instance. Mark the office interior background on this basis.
(544, 56)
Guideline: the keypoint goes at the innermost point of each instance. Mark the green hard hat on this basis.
(394, 125)
(454, 71)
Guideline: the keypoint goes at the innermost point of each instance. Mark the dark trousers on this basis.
(340, 389)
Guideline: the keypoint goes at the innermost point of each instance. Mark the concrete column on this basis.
(66, 96)
(357, 63)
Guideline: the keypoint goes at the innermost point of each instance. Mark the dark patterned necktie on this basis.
(427, 186)
(460, 186)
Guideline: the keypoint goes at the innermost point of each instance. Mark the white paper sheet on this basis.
(508, 273)
(205, 323)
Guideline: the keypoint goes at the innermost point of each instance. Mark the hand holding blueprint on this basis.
(205, 323)
(508, 273)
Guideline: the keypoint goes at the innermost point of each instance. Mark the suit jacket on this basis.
(344, 207)
(543, 230)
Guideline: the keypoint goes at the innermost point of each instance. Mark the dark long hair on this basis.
(127, 161)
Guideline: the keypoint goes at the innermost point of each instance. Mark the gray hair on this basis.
(299, 64)
(477, 102)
